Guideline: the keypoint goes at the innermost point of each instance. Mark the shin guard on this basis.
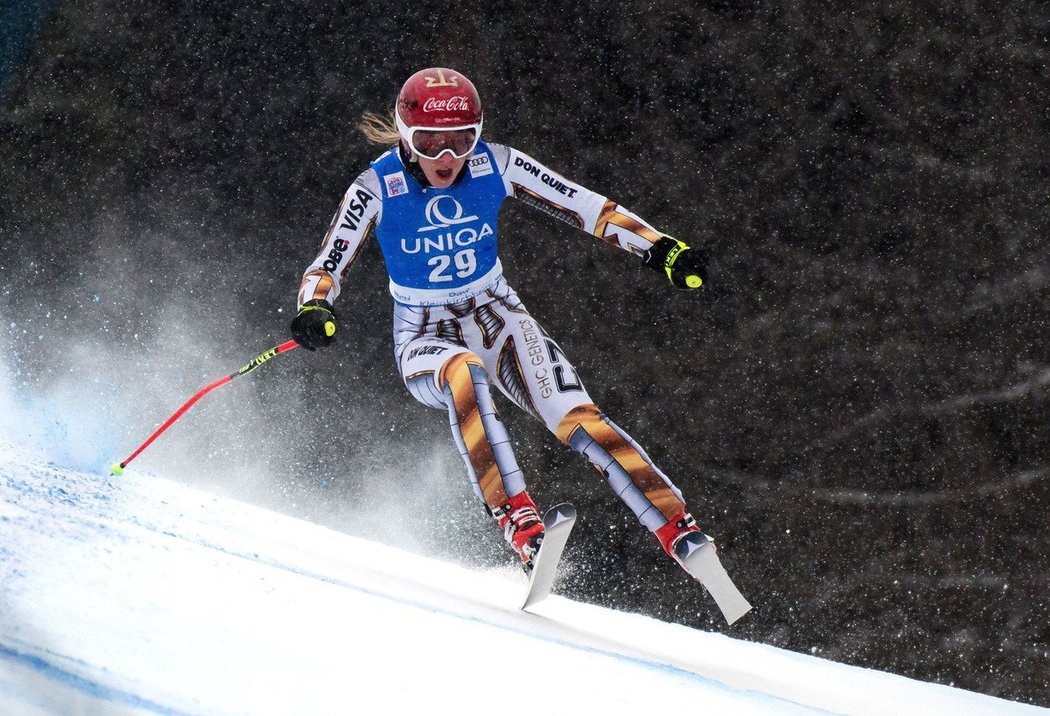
(640, 484)
(478, 431)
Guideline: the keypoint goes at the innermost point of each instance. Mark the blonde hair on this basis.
(379, 129)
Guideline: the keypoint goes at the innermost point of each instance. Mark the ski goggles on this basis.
(432, 143)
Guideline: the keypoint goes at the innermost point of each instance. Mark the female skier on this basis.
(432, 201)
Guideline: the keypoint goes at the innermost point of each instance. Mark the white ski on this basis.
(557, 524)
(699, 558)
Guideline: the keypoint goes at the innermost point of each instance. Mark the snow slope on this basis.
(140, 595)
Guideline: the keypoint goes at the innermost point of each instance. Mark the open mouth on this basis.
(444, 173)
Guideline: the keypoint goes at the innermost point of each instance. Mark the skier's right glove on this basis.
(314, 327)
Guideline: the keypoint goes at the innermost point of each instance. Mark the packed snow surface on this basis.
(137, 594)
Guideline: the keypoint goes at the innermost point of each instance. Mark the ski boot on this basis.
(522, 527)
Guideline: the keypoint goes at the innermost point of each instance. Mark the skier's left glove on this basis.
(685, 267)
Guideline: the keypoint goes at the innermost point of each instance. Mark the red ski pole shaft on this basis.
(248, 368)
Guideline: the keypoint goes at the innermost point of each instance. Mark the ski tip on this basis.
(691, 543)
(559, 513)
(563, 507)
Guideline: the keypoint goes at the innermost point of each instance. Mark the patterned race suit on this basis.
(458, 326)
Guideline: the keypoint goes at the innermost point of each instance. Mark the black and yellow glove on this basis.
(314, 327)
(685, 267)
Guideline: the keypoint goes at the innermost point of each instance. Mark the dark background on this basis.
(855, 406)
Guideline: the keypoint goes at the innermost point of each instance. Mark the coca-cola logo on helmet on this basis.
(450, 104)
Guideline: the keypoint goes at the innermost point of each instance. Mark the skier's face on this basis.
(441, 172)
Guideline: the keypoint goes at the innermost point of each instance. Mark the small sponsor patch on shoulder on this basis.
(479, 165)
(395, 184)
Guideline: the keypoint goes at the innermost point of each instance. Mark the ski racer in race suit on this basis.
(432, 202)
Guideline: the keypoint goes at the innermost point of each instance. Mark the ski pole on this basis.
(118, 468)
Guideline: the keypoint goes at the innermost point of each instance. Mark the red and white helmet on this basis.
(438, 110)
